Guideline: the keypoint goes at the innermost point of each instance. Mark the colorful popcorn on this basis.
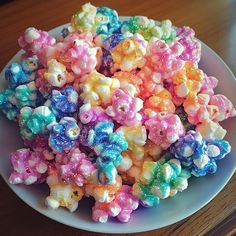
(62, 194)
(28, 167)
(160, 180)
(199, 155)
(121, 207)
(129, 53)
(97, 89)
(63, 135)
(124, 108)
(164, 129)
(115, 110)
(17, 74)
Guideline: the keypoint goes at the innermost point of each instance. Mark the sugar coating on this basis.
(129, 53)
(192, 47)
(17, 74)
(108, 145)
(124, 108)
(63, 135)
(77, 168)
(64, 102)
(164, 129)
(90, 114)
(97, 89)
(160, 180)
(200, 155)
(62, 194)
(28, 167)
(33, 41)
(35, 121)
(121, 206)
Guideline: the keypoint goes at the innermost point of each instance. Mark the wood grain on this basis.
(214, 23)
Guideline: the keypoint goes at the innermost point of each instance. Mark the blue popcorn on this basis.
(63, 135)
(26, 95)
(12, 100)
(108, 146)
(64, 102)
(17, 74)
(199, 155)
(8, 104)
(108, 20)
(218, 149)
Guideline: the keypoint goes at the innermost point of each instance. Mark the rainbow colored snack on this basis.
(116, 110)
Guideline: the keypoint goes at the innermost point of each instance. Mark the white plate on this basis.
(199, 193)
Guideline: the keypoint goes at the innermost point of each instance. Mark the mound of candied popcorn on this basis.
(115, 110)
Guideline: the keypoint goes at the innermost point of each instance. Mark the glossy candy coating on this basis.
(63, 135)
(108, 146)
(77, 168)
(199, 155)
(97, 89)
(28, 167)
(160, 180)
(121, 207)
(64, 102)
(164, 129)
(17, 74)
(62, 194)
(129, 53)
(35, 121)
(124, 108)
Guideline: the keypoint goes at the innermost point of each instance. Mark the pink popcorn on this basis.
(164, 58)
(80, 58)
(196, 107)
(208, 85)
(124, 108)
(28, 167)
(77, 169)
(164, 129)
(33, 41)
(225, 108)
(121, 207)
(88, 114)
(192, 47)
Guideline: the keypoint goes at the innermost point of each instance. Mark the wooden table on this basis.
(214, 23)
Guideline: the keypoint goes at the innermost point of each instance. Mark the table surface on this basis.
(214, 23)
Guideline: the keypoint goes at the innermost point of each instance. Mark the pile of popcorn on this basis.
(114, 110)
